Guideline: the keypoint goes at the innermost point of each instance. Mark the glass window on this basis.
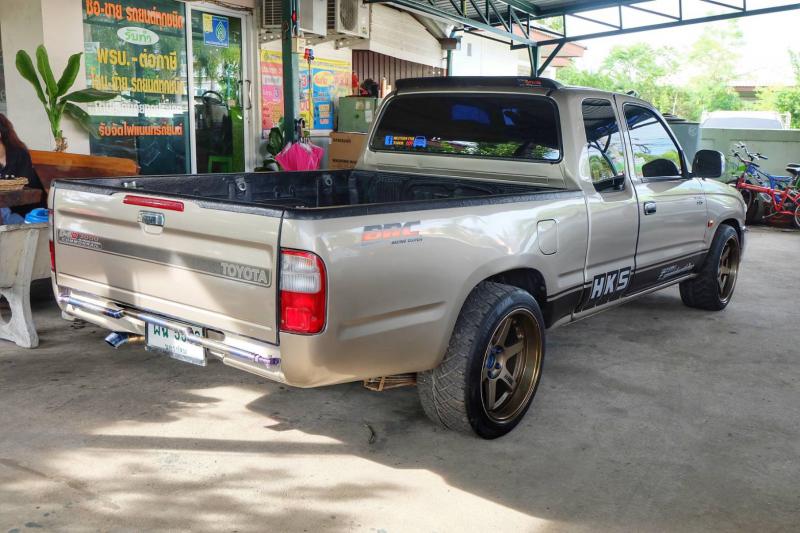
(509, 127)
(137, 49)
(654, 152)
(604, 156)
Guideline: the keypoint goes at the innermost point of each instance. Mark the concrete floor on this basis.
(651, 417)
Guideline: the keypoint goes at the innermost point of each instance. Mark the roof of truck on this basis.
(497, 82)
(477, 82)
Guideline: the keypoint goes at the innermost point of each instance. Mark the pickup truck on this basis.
(482, 212)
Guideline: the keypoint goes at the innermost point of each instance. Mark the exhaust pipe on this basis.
(117, 338)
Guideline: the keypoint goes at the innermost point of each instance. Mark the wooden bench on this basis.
(24, 253)
(58, 165)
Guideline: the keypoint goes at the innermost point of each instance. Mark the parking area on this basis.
(650, 417)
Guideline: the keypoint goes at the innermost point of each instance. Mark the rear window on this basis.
(500, 126)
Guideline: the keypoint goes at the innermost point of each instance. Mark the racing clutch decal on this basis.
(392, 233)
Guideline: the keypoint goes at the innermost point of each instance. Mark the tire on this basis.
(713, 287)
(458, 394)
(752, 205)
(796, 217)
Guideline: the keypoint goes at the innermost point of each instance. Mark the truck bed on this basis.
(307, 192)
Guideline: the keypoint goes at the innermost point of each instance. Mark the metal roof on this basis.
(515, 20)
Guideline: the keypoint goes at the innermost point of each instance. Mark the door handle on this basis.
(649, 208)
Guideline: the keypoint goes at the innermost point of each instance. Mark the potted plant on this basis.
(54, 95)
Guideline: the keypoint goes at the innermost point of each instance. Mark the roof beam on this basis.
(431, 11)
(670, 24)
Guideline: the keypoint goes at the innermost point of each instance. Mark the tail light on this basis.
(303, 298)
(52, 245)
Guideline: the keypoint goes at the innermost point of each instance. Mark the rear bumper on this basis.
(240, 352)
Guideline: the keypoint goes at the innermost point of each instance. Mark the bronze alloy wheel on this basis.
(512, 365)
(728, 269)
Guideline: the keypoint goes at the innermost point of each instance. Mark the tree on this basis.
(784, 99)
(711, 63)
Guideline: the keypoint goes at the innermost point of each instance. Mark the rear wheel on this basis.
(796, 217)
(493, 364)
(713, 287)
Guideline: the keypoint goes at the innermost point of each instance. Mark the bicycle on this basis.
(780, 193)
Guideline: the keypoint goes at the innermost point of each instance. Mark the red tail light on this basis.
(303, 298)
(52, 256)
(159, 203)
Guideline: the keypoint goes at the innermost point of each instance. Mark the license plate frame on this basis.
(174, 345)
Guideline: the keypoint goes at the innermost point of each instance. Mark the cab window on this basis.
(517, 127)
(603, 158)
(655, 154)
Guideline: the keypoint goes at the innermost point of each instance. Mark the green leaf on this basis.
(70, 74)
(89, 95)
(43, 64)
(26, 70)
(80, 116)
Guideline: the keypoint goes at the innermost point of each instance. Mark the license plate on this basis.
(174, 343)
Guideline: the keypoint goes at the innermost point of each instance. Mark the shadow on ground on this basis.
(649, 417)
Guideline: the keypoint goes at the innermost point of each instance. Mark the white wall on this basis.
(396, 33)
(479, 56)
(25, 24)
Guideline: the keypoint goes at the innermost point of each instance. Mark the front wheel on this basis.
(713, 287)
(493, 364)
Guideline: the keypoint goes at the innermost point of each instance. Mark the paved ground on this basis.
(651, 417)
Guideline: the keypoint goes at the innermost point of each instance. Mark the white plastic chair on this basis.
(24, 256)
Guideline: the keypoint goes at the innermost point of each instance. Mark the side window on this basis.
(603, 157)
(655, 155)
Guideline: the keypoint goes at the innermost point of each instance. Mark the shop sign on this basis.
(140, 36)
(322, 82)
(137, 48)
(216, 30)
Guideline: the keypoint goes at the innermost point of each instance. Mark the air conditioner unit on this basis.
(323, 19)
(311, 17)
(348, 17)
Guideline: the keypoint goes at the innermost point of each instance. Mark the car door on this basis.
(672, 212)
(612, 206)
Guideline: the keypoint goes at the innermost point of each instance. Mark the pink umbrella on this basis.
(300, 156)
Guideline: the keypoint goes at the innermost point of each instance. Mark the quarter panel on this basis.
(393, 302)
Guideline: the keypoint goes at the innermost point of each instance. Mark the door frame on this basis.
(249, 107)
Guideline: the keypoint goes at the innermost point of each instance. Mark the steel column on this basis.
(291, 78)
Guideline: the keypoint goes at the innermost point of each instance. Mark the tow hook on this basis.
(117, 338)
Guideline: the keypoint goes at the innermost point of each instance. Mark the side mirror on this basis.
(708, 164)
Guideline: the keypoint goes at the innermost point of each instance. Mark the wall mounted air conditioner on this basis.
(348, 17)
(320, 20)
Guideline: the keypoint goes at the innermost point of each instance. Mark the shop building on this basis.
(200, 84)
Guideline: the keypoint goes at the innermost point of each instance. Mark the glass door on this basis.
(218, 80)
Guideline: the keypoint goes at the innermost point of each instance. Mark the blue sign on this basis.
(216, 30)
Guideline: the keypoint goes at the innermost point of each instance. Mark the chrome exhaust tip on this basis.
(115, 339)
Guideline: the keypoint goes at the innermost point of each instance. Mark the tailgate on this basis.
(204, 266)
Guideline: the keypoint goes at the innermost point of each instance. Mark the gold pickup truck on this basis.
(482, 212)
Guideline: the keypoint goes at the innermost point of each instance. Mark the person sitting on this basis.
(15, 160)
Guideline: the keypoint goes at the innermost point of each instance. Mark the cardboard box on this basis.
(345, 149)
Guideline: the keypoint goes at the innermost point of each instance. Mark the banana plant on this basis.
(53, 94)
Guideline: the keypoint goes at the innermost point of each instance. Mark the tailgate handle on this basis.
(151, 218)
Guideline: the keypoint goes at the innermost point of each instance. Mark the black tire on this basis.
(452, 394)
(796, 217)
(712, 289)
(752, 205)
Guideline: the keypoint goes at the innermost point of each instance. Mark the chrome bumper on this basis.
(266, 362)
